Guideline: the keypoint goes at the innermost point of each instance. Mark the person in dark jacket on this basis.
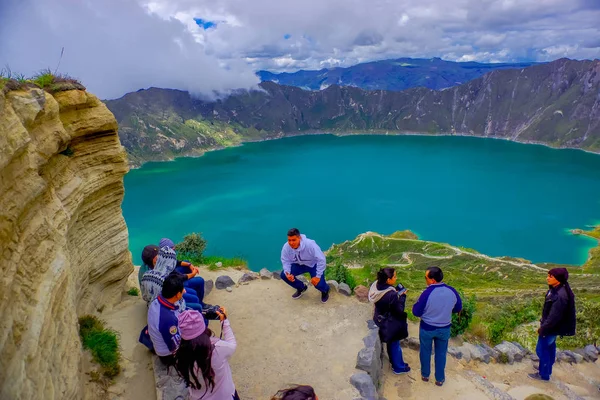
(558, 319)
(392, 300)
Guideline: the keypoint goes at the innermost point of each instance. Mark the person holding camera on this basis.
(300, 255)
(202, 360)
(390, 316)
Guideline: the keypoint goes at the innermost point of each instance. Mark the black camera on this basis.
(211, 312)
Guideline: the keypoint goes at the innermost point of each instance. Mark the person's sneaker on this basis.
(401, 371)
(537, 377)
(324, 296)
(299, 292)
(439, 383)
(424, 379)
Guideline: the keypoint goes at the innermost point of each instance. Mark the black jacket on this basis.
(558, 315)
(390, 302)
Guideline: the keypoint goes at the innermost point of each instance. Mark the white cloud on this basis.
(113, 47)
(116, 46)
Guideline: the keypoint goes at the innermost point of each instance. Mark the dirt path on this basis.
(283, 341)
(280, 341)
(510, 379)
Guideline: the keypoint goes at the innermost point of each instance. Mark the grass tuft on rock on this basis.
(102, 342)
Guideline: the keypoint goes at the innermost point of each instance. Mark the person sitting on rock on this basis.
(299, 392)
(435, 307)
(558, 319)
(300, 255)
(163, 326)
(152, 280)
(202, 360)
(390, 316)
(196, 283)
(149, 256)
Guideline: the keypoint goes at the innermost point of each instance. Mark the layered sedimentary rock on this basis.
(63, 240)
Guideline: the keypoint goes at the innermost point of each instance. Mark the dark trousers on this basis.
(546, 351)
(196, 283)
(297, 284)
(236, 396)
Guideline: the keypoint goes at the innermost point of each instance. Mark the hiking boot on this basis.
(299, 292)
(401, 371)
(324, 296)
(537, 377)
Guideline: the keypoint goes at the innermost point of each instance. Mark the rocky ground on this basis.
(283, 341)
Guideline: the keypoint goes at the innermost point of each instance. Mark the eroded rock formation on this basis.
(63, 240)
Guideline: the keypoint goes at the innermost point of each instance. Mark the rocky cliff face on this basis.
(556, 104)
(63, 240)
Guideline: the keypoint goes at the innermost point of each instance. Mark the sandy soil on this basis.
(509, 378)
(282, 341)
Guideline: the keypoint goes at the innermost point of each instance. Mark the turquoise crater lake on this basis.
(498, 197)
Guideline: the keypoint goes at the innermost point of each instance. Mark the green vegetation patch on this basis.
(192, 249)
(102, 342)
(233, 262)
(503, 296)
(133, 291)
(45, 79)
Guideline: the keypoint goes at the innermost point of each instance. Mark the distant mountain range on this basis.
(557, 104)
(395, 75)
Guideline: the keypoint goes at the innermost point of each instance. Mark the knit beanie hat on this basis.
(561, 274)
(148, 254)
(164, 242)
(191, 324)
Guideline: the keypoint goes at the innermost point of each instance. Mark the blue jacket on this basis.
(436, 305)
(308, 253)
(163, 326)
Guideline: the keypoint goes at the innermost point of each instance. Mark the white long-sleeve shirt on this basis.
(224, 387)
(308, 253)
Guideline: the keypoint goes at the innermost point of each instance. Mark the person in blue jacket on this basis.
(300, 255)
(435, 307)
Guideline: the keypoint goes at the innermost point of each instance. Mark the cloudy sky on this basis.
(117, 46)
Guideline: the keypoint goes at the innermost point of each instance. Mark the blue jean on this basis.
(395, 354)
(437, 338)
(191, 300)
(196, 283)
(297, 284)
(546, 351)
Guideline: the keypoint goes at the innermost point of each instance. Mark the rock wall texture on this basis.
(63, 240)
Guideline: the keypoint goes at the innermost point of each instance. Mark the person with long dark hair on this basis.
(389, 315)
(298, 392)
(558, 319)
(202, 360)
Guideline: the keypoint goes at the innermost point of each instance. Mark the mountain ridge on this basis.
(391, 74)
(557, 104)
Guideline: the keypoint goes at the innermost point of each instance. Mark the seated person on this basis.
(149, 257)
(185, 267)
(152, 280)
(163, 325)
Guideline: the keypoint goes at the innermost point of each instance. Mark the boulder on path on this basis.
(277, 274)
(411, 342)
(475, 352)
(362, 293)
(369, 358)
(265, 274)
(248, 276)
(333, 284)
(455, 352)
(591, 352)
(208, 286)
(362, 381)
(302, 279)
(509, 353)
(345, 289)
(224, 282)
